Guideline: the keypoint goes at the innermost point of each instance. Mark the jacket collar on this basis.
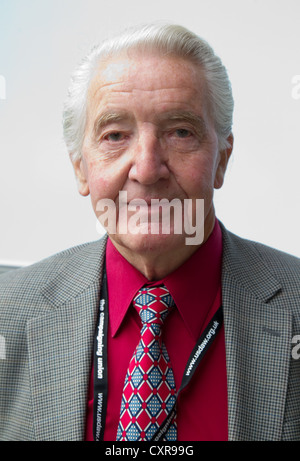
(243, 263)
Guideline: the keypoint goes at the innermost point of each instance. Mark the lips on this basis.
(152, 200)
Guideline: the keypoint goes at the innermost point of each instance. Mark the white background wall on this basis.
(41, 41)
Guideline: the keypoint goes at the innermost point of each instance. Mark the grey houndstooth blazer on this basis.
(47, 320)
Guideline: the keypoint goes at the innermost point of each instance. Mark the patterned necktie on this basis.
(149, 391)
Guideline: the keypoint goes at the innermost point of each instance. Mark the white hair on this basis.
(171, 40)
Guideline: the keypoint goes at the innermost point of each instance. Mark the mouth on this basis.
(150, 201)
(124, 199)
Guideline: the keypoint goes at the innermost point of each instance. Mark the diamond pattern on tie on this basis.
(149, 390)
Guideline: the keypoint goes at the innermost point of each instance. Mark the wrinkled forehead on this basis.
(134, 71)
(112, 69)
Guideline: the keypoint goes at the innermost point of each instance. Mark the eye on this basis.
(182, 133)
(183, 139)
(114, 136)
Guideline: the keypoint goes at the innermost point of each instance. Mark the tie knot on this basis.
(153, 304)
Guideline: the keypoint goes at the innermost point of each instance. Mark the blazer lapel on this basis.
(60, 343)
(258, 335)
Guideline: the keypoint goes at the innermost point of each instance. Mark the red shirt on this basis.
(196, 289)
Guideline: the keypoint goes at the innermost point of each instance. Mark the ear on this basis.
(224, 156)
(81, 175)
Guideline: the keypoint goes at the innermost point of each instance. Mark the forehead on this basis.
(158, 80)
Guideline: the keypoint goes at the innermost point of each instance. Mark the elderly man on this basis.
(156, 332)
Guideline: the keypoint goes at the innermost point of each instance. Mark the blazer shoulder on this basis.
(25, 283)
(44, 267)
(284, 266)
(258, 257)
(278, 257)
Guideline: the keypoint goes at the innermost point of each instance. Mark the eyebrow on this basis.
(110, 117)
(172, 116)
(186, 116)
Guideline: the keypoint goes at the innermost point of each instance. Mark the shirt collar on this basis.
(193, 285)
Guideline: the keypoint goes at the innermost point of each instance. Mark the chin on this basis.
(150, 243)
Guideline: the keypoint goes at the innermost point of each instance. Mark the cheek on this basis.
(104, 183)
(99, 188)
(197, 178)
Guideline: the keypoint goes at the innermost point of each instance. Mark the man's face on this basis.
(149, 134)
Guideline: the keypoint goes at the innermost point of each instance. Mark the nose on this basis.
(149, 160)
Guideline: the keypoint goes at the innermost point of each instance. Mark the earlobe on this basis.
(81, 177)
(224, 157)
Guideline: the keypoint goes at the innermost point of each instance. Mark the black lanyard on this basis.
(100, 365)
